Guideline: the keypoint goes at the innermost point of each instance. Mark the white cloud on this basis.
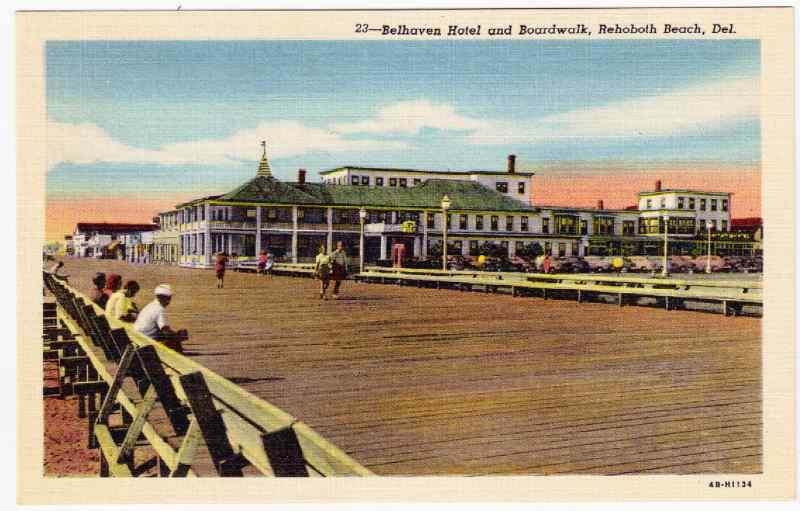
(410, 117)
(692, 111)
(88, 143)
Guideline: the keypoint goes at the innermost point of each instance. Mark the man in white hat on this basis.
(152, 320)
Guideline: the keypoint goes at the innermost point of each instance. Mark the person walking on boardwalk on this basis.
(322, 272)
(121, 306)
(152, 320)
(219, 267)
(262, 263)
(96, 294)
(339, 266)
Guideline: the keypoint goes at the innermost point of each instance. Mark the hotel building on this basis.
(490, 212)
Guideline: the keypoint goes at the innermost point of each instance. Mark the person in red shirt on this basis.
(219, 267)
(113, 284)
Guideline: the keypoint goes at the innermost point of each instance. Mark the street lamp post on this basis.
(362, 216)
(708, 259)
(664, 270)
(445, 207)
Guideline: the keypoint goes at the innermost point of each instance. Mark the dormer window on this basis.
(521, 187)
(354, 180)
(501, 186)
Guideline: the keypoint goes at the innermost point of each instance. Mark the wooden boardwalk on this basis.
(415, 381)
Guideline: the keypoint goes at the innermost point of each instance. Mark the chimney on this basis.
(301, 176)
(600, 204)
(512, 163)
(658, 185)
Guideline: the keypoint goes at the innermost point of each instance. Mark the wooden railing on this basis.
(132, 374)
(730, 295)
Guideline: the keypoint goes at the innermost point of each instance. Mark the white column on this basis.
(424, 252)
(258, 230)
(417, 247)
(465, 248)
(207, 248)
(329, 242)
(383, 246)
(294, 234)
(512, 249)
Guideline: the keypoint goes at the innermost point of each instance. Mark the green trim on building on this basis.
(418, 171)
(693, 192)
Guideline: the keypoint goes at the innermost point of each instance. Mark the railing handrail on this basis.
(250, 415)
(569, 276)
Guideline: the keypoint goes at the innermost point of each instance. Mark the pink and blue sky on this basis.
(135, 127)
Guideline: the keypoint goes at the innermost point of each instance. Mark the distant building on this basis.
(100, 239)
(688, 211)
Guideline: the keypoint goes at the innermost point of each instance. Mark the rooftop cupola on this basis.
(263, 165)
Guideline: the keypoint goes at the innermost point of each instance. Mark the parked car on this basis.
(598, 264)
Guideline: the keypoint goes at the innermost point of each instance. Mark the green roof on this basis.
(464, 195)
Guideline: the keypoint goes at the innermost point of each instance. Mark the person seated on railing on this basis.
(55, 269)
(113, 284)
(96, 294)
(120, 306)
(152, 320)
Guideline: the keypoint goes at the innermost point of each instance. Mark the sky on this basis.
(136, 127)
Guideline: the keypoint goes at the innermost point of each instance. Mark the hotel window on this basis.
(562, 249)
(365, 180)
(378, 181)
(651, 225)
(473, 248)
(392, 181)
(713, 204)
(724, 225)
(546, 225)
(430, 220)
(649, 203)
(521, 187)
(566, 224)
(354, 180)
(479, 222)
(523, 223)
(509, 223)
(663, 202)
(501, 187)
(680, 202)
(603, 225)
(494, 221)
(548, 248)
(417, 181)
(713, 225)
(691, 203)
(462, 222)
(575, 249)
(403, 182)
(724, 205)
(584, 227)
(628, 227)
(702, 204)
(449, 221)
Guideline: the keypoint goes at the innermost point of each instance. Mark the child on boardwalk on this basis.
(219, 267)
(322, 272)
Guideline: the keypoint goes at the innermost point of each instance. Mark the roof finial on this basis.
(263, 166)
